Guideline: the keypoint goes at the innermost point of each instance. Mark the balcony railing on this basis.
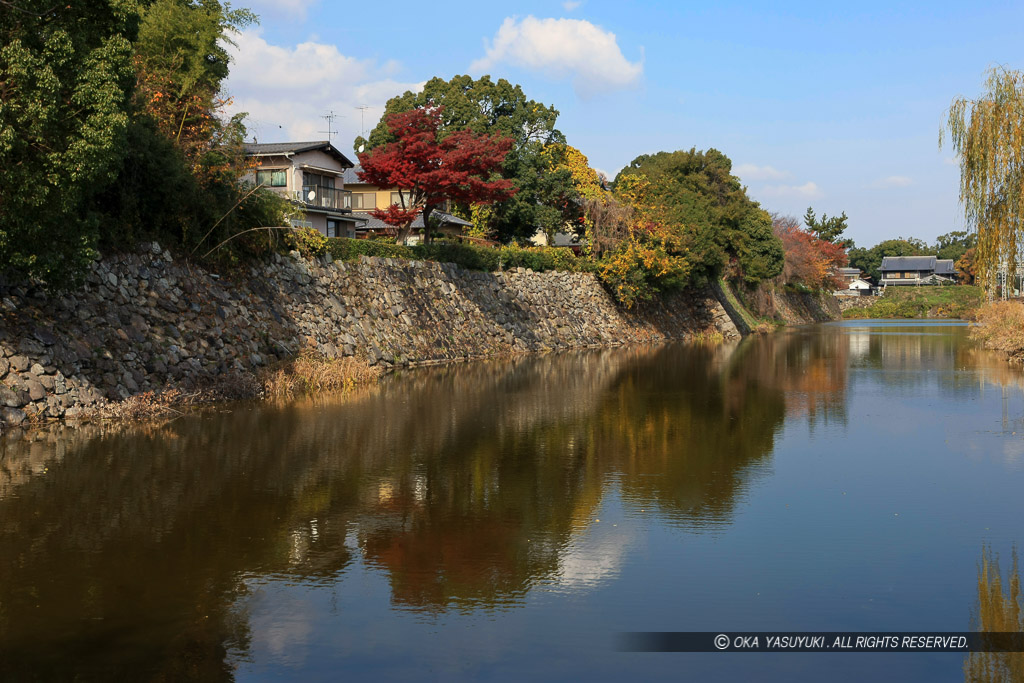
(326, 198)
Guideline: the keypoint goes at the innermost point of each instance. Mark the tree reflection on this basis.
(999, 610)
(131, 549)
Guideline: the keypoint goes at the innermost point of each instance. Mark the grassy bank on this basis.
(957, 301)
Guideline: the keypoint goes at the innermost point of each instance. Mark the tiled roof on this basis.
(908, 263)
(253, 148)
(350, 177)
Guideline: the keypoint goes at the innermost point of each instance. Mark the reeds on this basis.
(311, 373)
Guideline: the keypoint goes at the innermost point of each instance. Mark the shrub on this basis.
(347, 249)
(1001, 327)
(307, 241)
(640, 268)
(468, 256)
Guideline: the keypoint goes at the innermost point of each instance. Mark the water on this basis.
(508, 520)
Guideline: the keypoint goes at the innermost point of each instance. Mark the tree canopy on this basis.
(809, 260)
(544, 191)
(111, 129)
(827, 228)
(987, 134)
(65, 77)
(431, 169)
(719, 226)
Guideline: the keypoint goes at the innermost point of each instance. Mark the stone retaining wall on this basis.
(146, 322)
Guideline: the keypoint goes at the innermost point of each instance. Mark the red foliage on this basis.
(809, 260)
(432, 169)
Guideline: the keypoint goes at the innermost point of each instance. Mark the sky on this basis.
(836, 108)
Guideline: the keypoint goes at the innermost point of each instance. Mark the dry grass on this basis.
(1001, 327)
(311, 373)
(710, 336)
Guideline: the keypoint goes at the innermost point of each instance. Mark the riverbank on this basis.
(956, 301)
(1001, 328)
(146, 324)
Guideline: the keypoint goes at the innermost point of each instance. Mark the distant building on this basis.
(367, 197)
(917, 270)
(310, 174)
(848, 275)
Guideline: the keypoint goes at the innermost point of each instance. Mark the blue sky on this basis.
(839, 109)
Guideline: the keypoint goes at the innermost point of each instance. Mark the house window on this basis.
(317, 179)
(896, 276)
(397, 198)
(272, 178)
(332, 228)
(364, 200)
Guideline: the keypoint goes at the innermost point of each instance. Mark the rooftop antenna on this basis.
(330, 121)
(362, 118)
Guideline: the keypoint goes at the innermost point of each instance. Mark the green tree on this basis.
(954, 244)
(180, 177)
(181, 61)
(828, 228)
(695, 194)
(483, 106)
(65, 80)
(987, 134)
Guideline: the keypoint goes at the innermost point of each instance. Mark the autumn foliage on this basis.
(809, 260)
(430, 168)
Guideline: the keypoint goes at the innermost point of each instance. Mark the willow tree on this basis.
(987, 134)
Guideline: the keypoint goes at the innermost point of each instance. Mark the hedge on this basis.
(468, 256)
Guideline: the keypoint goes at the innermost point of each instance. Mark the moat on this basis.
(507, 520)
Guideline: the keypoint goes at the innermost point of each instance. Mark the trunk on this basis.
(403, 233)
(426, 223)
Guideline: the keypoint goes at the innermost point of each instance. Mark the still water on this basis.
(508, 520)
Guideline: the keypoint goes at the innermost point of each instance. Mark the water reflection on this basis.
(1000, 609)
(137, 550)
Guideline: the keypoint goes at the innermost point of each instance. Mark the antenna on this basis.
(330, 121)
(362, 118)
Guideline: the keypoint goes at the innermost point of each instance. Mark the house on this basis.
(562, 239)
(367, 197)
(848, 275)
(917, 270)
(311, 175)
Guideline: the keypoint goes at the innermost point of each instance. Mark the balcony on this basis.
(321, 197)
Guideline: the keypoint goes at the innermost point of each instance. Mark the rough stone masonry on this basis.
(146, 322)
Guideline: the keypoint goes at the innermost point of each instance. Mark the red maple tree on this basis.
(428, 168)
(809, 260)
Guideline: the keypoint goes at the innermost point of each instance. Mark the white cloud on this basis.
(287, 89)
(570, 5)
(563, 48)
(892, 181)
(808, 190)
(750, 172)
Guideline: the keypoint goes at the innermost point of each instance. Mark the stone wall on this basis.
(794, 308)
(144, 322)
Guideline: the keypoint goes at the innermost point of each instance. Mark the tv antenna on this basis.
(362, 118)
(330, 121)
